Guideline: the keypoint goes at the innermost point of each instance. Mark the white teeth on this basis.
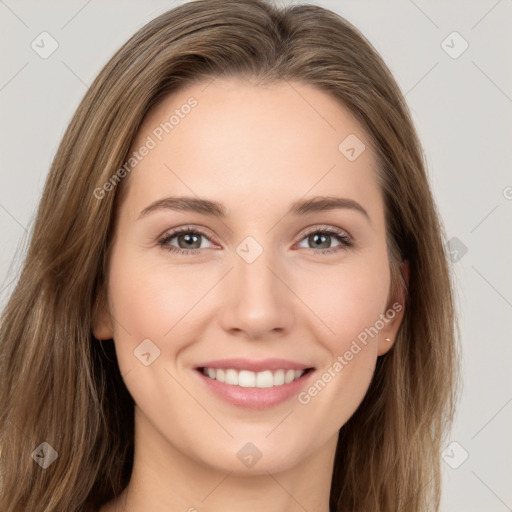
(279, 378)
(289, 376)
(248, 379)
(264, 379)
(231, 377)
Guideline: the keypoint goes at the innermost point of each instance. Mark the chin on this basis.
(252, 456)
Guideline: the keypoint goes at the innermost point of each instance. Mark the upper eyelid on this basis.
(184, 229)
(326, 227)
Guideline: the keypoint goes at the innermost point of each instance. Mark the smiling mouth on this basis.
(250, 379)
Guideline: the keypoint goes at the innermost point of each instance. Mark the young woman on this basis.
(236, 294)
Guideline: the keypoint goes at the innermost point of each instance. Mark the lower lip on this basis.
(255, 398)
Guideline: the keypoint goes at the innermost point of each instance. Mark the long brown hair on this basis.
(61, 386)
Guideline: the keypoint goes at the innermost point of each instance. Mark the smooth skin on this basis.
(256, 150)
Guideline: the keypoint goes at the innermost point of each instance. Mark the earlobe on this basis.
(394, 314)
(102, 328)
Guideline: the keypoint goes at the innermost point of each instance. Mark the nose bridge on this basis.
(258, 302)
(255, 271)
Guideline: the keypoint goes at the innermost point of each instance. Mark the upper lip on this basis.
(253, 365)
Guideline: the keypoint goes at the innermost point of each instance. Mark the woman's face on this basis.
(259, 290)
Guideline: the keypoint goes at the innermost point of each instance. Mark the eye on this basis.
(319, 239)
(189, 238)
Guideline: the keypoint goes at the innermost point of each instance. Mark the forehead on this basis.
(252, 144)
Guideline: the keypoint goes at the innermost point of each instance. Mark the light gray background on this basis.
(462, 108)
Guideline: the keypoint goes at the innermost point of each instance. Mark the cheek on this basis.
(152, 297)
(149, 302)
(346, 300)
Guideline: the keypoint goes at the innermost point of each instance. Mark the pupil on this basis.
(319, 235)
(189, 238)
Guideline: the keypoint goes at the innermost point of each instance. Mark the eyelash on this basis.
(340, 235)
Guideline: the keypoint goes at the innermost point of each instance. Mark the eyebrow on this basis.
(215, 209)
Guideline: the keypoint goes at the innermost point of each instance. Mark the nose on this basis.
(258, 302)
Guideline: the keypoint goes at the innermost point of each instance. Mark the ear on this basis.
(394, 314)
(102, 327)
